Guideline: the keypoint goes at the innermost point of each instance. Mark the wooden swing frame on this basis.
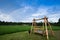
(45, 29)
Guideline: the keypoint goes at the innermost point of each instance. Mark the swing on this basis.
(41, 30)
(37, 29)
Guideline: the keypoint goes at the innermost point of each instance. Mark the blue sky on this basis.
(26, 10)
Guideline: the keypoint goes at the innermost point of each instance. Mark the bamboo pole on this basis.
(34, 25)
(45, 20)
(43, 29)
(51, 29)
(31, 27)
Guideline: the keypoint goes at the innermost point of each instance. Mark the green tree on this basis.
(59, 20)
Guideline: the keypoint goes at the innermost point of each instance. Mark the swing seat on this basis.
(38, 30)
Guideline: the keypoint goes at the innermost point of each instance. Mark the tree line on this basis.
(23, 23)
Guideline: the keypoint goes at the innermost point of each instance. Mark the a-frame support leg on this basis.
(51, 29)
(46, 29)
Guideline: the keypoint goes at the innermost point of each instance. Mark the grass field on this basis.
(5, 29)
(26, 36)
(20, 32)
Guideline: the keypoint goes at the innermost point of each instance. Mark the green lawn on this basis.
(56, 28)
(13, 28)
(26, 36)
(20, 32)
(5, 29)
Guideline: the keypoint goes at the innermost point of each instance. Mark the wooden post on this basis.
(51, 29)
(33, 25)
(31, 28)
(43, 29)
(45, 20)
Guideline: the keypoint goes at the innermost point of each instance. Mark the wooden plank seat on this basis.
(38, 30)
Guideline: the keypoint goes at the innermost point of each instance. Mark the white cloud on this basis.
(5, 17)
(22, 14)
(21, 10)
(54, 17)
(15, 15)
(40, 12)
(54, 14)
